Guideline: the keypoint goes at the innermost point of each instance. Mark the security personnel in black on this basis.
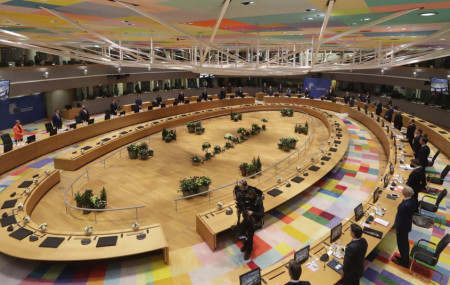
(249, 202)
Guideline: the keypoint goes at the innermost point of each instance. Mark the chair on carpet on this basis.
(431, 162)
(424, 256)
(430, 207)
(439, 180)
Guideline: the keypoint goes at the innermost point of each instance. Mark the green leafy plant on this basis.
(132, 151)
(202, 181)
(243, 168)
(103, 194)
(196, 160)
(206, 146)
(287, 112)
(78, 198)
(143, 154)
(143, 145)
(217, 148)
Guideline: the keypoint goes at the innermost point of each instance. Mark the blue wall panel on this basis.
(26, 109)
(317, 86)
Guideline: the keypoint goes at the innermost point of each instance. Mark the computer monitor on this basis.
(336, 233)
(186, 101)
(359, 212)
(154, 104)
(276, 95)
(91, 121)
(376, 195)
(251, 278)
(391, 168)
(53, 132)
(48, 126)
(302, 255)
(134, 108)
(149, 108)
(31, 138)
(73, 126)
(162, 105)
(385, 181)
(78, 120)
(107, 116)
(199, 100)
(231, 96)
(7, 147)
(175, 102)
(122, 113)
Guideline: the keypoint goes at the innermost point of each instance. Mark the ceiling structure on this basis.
(233, 37)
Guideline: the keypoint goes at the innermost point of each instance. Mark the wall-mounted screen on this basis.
(439, 85)
(4, 89)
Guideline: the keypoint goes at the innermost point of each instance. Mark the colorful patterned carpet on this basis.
(287, 228)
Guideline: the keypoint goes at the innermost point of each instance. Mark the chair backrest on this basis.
(445, 172)
(78, 120)
(441, 246)
(48, 127)
(6, 138)
(441, 197)
(435, 156)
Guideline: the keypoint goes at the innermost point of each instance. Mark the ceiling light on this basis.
(365, 19)
(85, 72)
(428, 14)
(247, 3)
(354, 24)
(309, 18)
(45, 75)
(310, 10)
(389, 27)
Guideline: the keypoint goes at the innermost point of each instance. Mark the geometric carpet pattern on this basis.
(287, 228)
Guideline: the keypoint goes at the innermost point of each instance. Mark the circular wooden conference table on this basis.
(436, 135)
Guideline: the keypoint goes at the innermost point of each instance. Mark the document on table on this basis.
(381, 222)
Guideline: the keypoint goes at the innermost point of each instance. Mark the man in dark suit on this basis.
(379, 108)
(138, 101)
(389, 113)
(423, 152)
(56, 119)
(416, 141)
(113, 107)
(158, 100)
(222, 94)
(307, 92)
(410, 132)
(398, 121)
(239, 93)
(403, 225)
(346, 97)
(84, 114)
(298, 90)
(204, 95)
(355, 253)
(295, 271)
(417, 180)
(264, 88)
(280, 88)
(181, 97)
(270, 91)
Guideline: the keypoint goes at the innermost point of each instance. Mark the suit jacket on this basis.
(57, 121)
(180, 97)
(204, 96)
(113, 108)
(270, 92)
(410, 131)
(298, 283)
(417, 181)
(405, 211)
(138, 102)
(416, 145)
(398, 121)
(239, 93)
(379, 109)
(84, 115)
(388, 115)
(222, 94)
(355, 253)
(280, 89)
(346, 99)
(422, 155)
(158, 100)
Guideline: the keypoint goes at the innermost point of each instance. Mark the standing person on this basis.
(264, 88)
(299, 89)
(306, 92)
(403, 225)
(355, 253)
(379, 108)
(239, 93)
(138, 101)
(398, 121)
(416, 141)
(204, 95)
(352, 101)
(295, 271)
(18, 132)
(280, 89)
(346, 97)
(417, 180)
(57, 120)
(158, 100)
(389, 113)
(249, 201)
(84, 114)
(137, 88)
(389, 101)
(423, 152)
(181, 97)
(223, 93)
(410, 132)
(113, 107)
(288, 92)
(270, 91)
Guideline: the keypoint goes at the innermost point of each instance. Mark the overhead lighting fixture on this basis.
(366, 19)
(389, 27)
(310, 10)
(45, 74)
(428, 14)
(13, 34)
(415, 74)
(247, 3)
(85, 72)
(309, 18)
(442, 39)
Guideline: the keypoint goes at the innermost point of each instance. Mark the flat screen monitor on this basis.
(73, 126)
(251, 278)
(186, 101)
(149, 108)
(376, 195)
(391, 168)
(91, 121)
(122, 113)
(175, 103)
(78, 120)
(7, 147)
(231, 96)
(359, 212)
(53, 132)
(162, 105)
(302, 255)
(107, 116)
(385, 181)
(199, 100)
(134, 108)
(31, 138)
(439, 85)
(336, 233)
(4, 89)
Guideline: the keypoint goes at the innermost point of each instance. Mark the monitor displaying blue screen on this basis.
(4, 89)
(439, 85)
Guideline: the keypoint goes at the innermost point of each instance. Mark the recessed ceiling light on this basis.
(247, 3)
(428, 14)
(403, 29)
(309, 18)
(365, 19)
(319, 15)
(310, 10)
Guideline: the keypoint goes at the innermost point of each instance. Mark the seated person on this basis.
(84, 114)
(57, 120)
(113, 107)
(295, 271)
(239, 93)
(181, 97)
(204, 95)
(222, 94)
(158, 100)
(138, 101)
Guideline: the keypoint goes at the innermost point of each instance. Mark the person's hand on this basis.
(249, 213)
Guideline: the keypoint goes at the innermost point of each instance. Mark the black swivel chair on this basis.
(78, 120)
(48, 127)
(431, 162)
(439, 180)
(430, 207)
(7, 143)
(425, 257)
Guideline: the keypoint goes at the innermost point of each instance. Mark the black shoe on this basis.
(397, 257)
(243, 249)
(247, 255)
(399, 263)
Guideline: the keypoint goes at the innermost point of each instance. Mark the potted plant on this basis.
(255, 129)
(187, 187)
(173, 134)
(78, 199)
(285, 144)
(251, 169)
(202, 183)
(143, 154)
(143, 145)
(241, 130)
(191, 127)
(206, 146)
(264, 120)
(228, 145)
(103, 195)
(164, 133)
(199, 130)
(132, 151)
(86, 201)
(305, 130)
(280, 144)
(217, 148)
(150, 152)
(196, 160)
(292, 142)
(208, 155)
(243, 168)
(258, 164)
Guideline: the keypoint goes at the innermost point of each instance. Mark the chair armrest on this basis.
(427, 241)
(431, 197)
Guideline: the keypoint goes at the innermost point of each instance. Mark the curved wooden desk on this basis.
(71, 248)
(211, 223)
